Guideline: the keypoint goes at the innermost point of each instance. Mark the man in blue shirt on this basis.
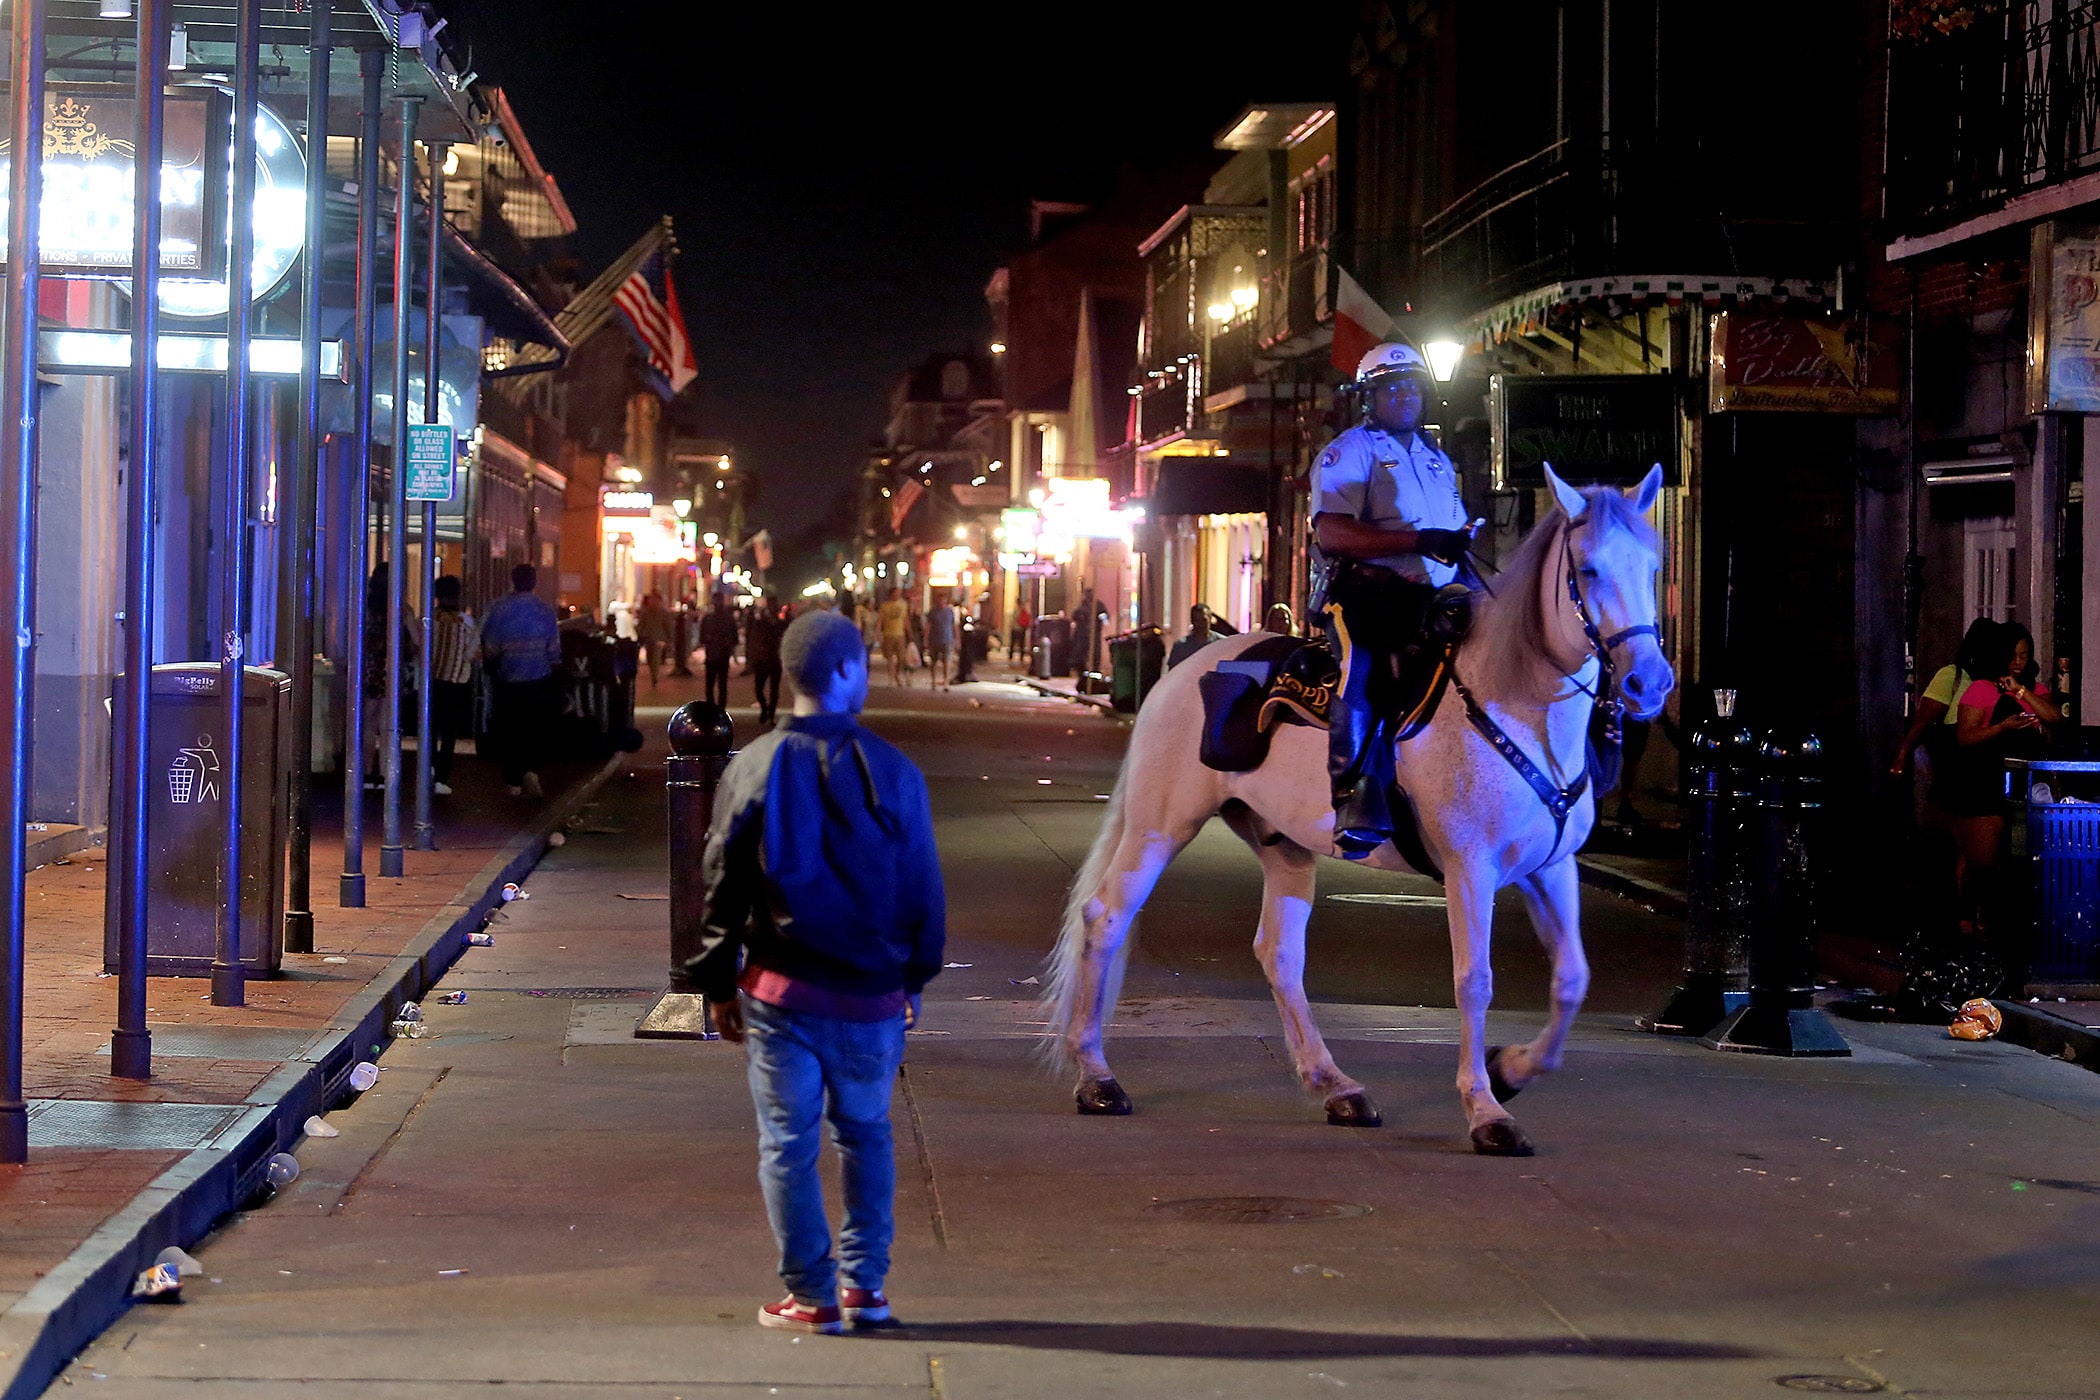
(940, 640)
(522, 641)
(821, 873)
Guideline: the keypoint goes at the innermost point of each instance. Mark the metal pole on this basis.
(18, 414)
(131, 1044)
(359, 526)
(228, 978)
(305, 492)
(391, 861)
(426, 832)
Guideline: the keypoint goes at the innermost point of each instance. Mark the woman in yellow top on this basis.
(894, 619)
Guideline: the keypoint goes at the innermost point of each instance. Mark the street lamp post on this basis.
(18, 423)
(426, 831)
(391, 859)
(358, 528)
(228, 977)
(131, 1044)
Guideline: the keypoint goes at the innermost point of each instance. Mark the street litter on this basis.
(409, 1012)
(1977, 1020)
(555, 838)
(976, 998)
(283, 1169)
(184, 1265)
(337, 960)
(958, 964)
(450, 1273)
(364, 1076)
(511, 892)
(1042, 782)
(406, 1030)
(1315, 1269)
(453, 999)
(645, 896)
(481, 940)
(319, 1127)
(1026, 981)
(162, 1282)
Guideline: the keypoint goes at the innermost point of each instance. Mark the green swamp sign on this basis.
(1592, 428)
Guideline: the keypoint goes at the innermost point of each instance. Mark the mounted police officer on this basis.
(1391, 529)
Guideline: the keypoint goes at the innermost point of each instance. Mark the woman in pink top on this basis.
(2000, 716)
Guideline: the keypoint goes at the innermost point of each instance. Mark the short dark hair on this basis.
(815, 645)
(1199, 614)
(1980, 646)
(524, 578)
(447, 588)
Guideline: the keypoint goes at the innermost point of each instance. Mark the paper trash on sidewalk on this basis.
(1026, 981)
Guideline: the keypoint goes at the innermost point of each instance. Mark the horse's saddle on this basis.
(1295, 680)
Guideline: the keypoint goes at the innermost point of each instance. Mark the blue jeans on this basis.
(804, 1067)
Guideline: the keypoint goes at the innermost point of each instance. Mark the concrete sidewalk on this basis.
(533, 1198)
(120, 1168)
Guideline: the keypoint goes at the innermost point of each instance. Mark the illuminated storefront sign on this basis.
(627, 503)
(948, 568)
(109, 352)
(88, 177)
(87, 204)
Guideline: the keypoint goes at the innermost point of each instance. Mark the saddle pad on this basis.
(1232, 691)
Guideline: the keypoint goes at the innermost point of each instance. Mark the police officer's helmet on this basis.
(1389, 359)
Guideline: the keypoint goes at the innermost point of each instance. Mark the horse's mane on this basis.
(1509, 632)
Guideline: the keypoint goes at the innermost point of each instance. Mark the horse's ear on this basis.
(1572, 502)
(1651, 485)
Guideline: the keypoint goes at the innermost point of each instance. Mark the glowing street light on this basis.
(1444, 356)
(710, 539)
(684, 508)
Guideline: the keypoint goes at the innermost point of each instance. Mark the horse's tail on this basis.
(1061, 981)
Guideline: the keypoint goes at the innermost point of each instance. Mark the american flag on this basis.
(649, 301)
(907, 496)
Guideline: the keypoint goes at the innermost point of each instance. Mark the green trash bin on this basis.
(1123, 673)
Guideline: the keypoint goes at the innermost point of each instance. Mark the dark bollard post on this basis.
(1782, 1018)
(1718, 872)
(702, 739)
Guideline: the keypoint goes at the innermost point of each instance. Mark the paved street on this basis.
(1920, 1217)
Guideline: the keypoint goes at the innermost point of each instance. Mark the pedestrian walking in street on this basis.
(895, 621)
(940, 640)
(821, 872)
(455, 647)
(1017, 639)
(522, 641)
(653, 628)
(762, 629)
(718, 648)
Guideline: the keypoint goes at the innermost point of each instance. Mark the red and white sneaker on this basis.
(864, 1307)
(797, 1316)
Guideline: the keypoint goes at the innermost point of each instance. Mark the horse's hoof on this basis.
(1503, 1090)
(1102, 1096)
(1354, 1110)
(1501, 1138)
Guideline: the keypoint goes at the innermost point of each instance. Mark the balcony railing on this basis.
(2008, 105)
(1231, 357)
(1293, 300)
(1594, 210)
(1164, 407)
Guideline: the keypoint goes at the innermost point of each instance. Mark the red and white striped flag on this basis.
(906, 497)
(648, 299)
(1360, 323)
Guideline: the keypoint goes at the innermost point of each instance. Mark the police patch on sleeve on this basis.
(1329, 458)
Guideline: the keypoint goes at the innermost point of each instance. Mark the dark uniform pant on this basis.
(1374, 619)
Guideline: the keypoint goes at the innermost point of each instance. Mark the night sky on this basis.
(844, 181)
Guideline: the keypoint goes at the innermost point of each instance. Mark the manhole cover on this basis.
(1258, 1210)
(1830, 1385)
(163, 1127)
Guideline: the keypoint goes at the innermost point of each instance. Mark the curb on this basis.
(1661, 898)
(74, 1303)
(1092, 702)
(2047, 1033)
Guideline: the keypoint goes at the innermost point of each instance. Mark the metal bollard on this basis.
(702, 737)
(1718, 877)
(1781, 1017)
(682, 645)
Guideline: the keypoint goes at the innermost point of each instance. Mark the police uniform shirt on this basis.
(1367, 474)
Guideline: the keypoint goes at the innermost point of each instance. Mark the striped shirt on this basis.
(456, 643)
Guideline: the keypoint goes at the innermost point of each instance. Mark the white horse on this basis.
(1575, 607)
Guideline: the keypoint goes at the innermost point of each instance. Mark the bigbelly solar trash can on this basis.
(185, 816)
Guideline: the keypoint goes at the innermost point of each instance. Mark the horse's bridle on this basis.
(1560, 801)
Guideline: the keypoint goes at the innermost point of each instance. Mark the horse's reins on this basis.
(1560, 801)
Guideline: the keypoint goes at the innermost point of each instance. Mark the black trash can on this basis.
(184, 821)
(2060, 840)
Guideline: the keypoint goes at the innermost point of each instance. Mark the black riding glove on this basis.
(1444, 546)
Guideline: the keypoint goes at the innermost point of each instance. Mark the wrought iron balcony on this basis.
(1231, 357)
(2004, 107)
(1293, 301)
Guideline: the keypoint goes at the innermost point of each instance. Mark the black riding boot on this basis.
(1363, 820)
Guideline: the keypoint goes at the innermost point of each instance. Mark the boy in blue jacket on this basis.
(821, 872)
